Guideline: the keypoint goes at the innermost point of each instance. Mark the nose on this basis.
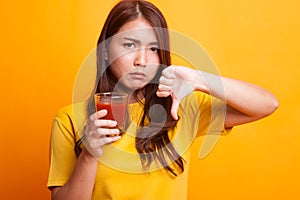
(140, 58)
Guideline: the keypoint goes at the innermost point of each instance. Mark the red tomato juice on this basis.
(115, 111)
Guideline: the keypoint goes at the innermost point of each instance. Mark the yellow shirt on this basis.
(120, 174)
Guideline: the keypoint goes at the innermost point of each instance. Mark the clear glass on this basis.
(116, 105)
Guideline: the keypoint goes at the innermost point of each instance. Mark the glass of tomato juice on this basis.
(116, 105)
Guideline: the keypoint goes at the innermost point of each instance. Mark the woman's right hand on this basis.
(99, 132)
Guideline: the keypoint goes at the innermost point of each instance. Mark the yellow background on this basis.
(43, 44)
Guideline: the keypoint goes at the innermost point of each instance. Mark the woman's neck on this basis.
(136, 96)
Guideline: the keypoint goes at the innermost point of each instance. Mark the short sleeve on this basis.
(205, 113)
(62, 154)
(212, 117)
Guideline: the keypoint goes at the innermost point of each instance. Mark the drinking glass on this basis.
(116, 105)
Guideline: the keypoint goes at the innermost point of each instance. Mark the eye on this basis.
(154, 49)
(129, 45)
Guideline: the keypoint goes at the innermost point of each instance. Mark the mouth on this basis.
(137, 75)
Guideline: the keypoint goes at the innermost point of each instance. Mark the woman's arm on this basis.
(246, 102)
(81, 183)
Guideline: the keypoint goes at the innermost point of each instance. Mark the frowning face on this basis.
(133, 54)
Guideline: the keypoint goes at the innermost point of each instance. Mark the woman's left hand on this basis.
(177, 82)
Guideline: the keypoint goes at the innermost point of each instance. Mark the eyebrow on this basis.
(137, 41)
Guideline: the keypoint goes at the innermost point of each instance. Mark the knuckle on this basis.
(92, 145)
(87, 133)
(111, 123)
(92, 117)
(105, 140)
(96, 122)
(100, 131)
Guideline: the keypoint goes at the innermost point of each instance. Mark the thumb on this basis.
(174, 108)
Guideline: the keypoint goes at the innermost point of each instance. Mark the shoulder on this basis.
(72, 109)
(196, 98)
(72, 113)
(65, 110)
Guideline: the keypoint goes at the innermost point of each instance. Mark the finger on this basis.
(115, 138)
(106, 140)
(166, 81)
(163, 93)
(98, 114)
(105, 123)
(96, 143)
(104, 132)
(169, 72)
(174, 108)
(162, 87)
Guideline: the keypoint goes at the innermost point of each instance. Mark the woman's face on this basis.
(133, 54)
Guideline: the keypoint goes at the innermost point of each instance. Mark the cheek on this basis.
(119, 67)
(153, 64)
(116, 71)
(152, 70)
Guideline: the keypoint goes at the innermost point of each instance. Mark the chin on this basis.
(135, 86)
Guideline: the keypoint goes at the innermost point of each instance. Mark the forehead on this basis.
(138, 29)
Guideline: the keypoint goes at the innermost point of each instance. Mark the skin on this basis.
(134, 61)
(245, 102)
(133, 54)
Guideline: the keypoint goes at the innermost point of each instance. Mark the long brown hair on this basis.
(156, 146)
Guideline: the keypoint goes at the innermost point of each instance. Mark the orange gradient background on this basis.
(43, 44)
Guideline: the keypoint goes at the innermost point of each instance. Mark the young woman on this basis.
(168, 106)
